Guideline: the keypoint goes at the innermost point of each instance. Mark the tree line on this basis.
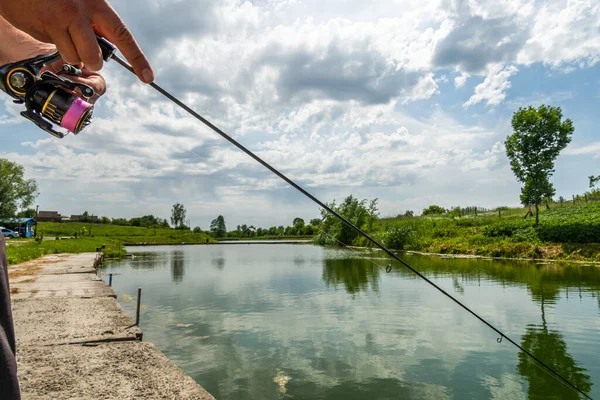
(218, 229)
(539, 135)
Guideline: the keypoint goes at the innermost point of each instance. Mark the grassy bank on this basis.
(567, 231)
(79, 237)
(18, 251)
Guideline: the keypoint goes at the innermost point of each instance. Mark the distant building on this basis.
(48, 216)
(83, 218)
(25, 226)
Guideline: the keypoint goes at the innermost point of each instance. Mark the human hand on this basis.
(72, 26)
(17, 46)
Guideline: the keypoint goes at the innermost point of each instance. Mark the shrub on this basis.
(398, 237)
(525, 235)
(434, 209)
(506, 228)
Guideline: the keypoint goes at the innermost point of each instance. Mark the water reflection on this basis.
(284, 311)
(544, 283)
(147, 262)
(177, 265)
(354, 274)
(218, 262)
(550, 347)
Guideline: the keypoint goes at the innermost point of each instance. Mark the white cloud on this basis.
(589, 149)
(493, 89)
(325, 95)
(461, 80)
(425, 88)
(564, 32)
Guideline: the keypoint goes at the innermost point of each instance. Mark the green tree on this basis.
(409, 213)
(594, 180)
(297, 221)
(315, 221)
(28, 213)
(197, 230)
(433, 209)
(538, 138)
(16, 192)
(178, 215)
(218, 228)
(372, 214)
(298, 226)
(332, 231)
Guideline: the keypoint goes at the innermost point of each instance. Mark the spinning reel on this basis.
(49, 98)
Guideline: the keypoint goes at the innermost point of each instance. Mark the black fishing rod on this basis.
(340, 217)
(74, 114)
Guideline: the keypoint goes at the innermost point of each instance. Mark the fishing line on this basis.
(178, 102)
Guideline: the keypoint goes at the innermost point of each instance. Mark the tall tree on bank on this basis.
(218, 228)
(16, 192)
(538, 138)
(178, 215)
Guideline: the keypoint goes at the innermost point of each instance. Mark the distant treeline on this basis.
(147, 221)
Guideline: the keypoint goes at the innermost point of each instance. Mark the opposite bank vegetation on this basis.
(566, 231)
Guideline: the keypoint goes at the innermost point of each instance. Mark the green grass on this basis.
(112, 236)
(566, 231)
(18, 251)
(127, 234)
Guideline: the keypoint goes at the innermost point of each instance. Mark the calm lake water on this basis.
(305, 322)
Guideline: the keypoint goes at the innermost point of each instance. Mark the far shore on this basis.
(407, 252)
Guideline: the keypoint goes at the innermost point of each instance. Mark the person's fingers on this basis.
(86, 44)
(90, 78)
(94, 80)
(116, 32)
(66, 47)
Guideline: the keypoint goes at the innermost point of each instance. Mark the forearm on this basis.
(17, 45)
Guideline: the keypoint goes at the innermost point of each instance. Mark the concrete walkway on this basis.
(74, 341)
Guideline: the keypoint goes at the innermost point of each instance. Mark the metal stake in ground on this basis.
(137, 313)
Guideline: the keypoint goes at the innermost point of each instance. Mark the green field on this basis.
(21, 250)
(77, 237)
(566, 231)
(126, 234)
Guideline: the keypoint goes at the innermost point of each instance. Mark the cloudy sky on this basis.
(405, 100)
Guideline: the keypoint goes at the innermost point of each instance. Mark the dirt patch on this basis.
(25, 270)
(30, 280)
(14, 290)
(551, 252)
(33, 267)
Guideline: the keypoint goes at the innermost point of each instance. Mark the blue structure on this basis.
(25, 226)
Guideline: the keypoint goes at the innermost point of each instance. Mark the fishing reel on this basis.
(51, 99)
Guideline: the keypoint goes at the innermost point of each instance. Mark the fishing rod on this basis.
(53, 99)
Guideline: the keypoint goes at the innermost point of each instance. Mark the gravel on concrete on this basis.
(61, 320)
(74, 341)
(128, 370)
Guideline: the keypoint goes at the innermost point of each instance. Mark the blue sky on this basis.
(408, 101)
